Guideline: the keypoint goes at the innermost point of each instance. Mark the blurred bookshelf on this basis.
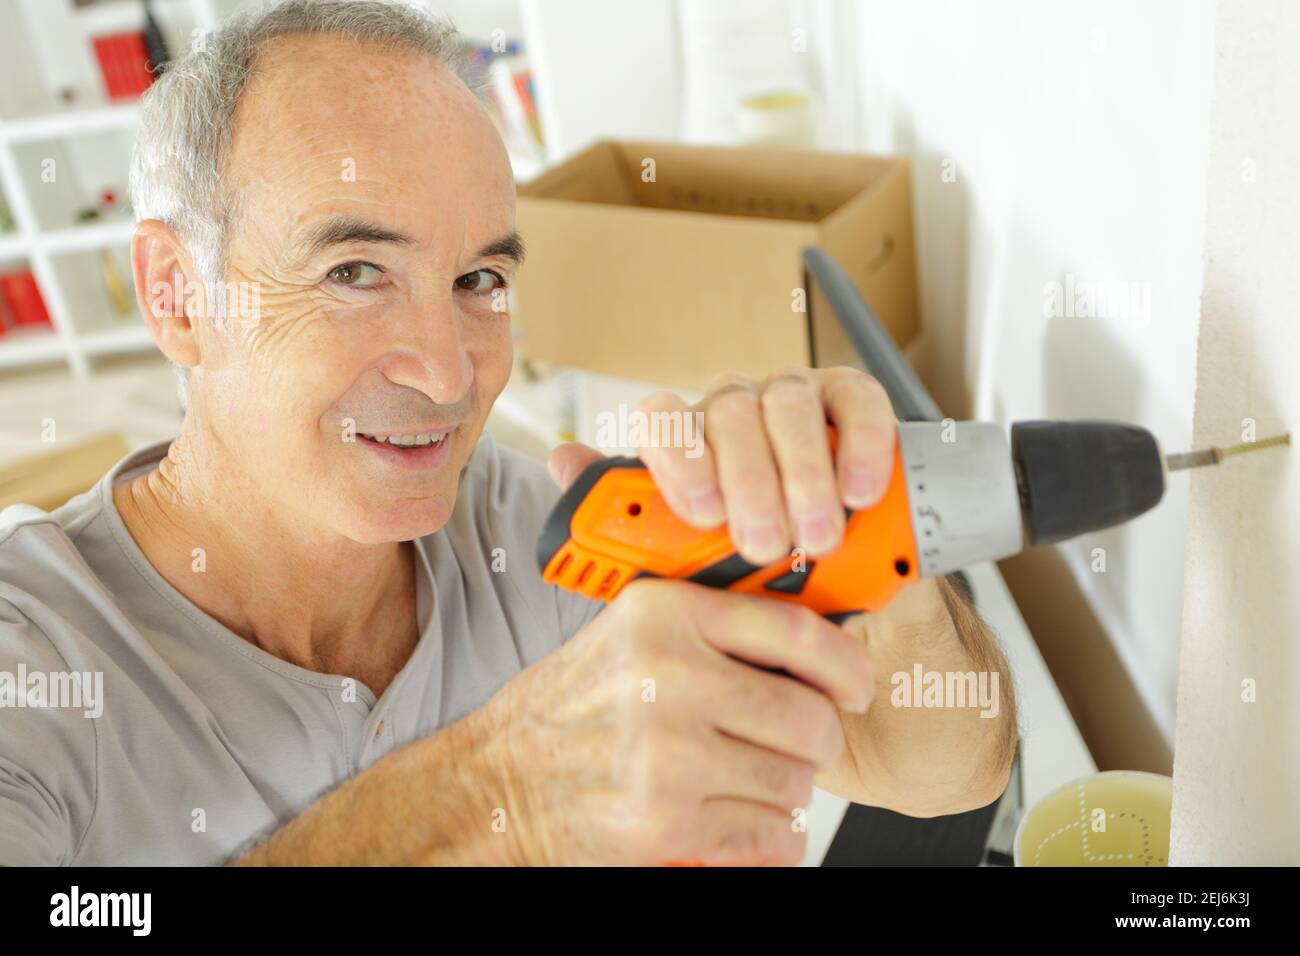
(65, 142)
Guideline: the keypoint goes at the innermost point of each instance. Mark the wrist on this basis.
(471, 821)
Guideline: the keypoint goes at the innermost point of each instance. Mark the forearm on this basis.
(428, 803)
(918, 750)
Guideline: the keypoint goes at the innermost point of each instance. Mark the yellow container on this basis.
(1116, 818)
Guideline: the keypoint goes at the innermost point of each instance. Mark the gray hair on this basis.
(187, 114)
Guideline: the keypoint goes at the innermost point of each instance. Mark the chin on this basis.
(401, 522)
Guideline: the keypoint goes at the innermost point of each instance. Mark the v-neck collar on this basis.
(425, 591)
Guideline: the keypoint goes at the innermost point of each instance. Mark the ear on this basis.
(167, 290)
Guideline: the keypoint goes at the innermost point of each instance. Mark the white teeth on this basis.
(406, 441)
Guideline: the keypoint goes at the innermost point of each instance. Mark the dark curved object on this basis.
(1083, 476)
(873, 343)
(154, 43)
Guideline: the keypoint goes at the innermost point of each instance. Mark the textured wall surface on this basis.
(1073, 136)
(1237, 746)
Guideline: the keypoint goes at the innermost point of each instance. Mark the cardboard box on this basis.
(670, 263)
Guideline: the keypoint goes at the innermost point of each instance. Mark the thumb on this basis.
(568, 461)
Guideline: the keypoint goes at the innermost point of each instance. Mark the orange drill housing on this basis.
(612, 526)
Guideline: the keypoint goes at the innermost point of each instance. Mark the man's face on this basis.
(375, 224)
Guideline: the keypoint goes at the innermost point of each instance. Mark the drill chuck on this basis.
(1081, 476)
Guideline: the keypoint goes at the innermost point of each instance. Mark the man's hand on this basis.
(658, 734)
(766, 468)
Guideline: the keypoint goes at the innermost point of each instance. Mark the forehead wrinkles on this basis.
(425, 162)
(353, 155)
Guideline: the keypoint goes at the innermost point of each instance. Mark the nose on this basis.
(431, 355)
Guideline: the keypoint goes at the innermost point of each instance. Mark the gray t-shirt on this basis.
(206, 743)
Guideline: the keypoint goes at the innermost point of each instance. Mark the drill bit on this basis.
(1214, 454)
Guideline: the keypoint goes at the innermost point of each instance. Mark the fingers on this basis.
(568, 461)
(739, 833)
(777, 714)
(717, 766)
(795, 422)
(748, 772)
(766, 466)
(747, 471)
(766, 633)
(685, 475)
(867, 430)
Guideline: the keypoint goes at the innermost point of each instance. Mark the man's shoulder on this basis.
(52, 614)
(30, 534)
(82, 532)
(42, 566)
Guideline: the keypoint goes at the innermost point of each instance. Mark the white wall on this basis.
(1237, 761)
(1077, 133)
(602, 69)
(678, 69)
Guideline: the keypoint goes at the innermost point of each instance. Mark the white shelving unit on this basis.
(58, 156)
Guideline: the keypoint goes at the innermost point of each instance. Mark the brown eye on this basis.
(480, 280)
(356, 274)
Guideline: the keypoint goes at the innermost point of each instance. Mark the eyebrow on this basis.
(511, 246)
(341, 230)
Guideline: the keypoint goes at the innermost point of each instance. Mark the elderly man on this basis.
(308, 656)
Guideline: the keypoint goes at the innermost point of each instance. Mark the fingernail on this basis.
(860, 486)
(816, 533)
(706, 505)
(763, 540)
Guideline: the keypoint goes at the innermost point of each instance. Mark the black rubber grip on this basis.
(1076, 477)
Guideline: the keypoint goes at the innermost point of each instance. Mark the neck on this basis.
(308, 596)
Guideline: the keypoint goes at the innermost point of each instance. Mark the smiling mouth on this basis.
(421, 440)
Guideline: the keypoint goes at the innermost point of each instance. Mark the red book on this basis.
(124, 63)
(23, 298)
